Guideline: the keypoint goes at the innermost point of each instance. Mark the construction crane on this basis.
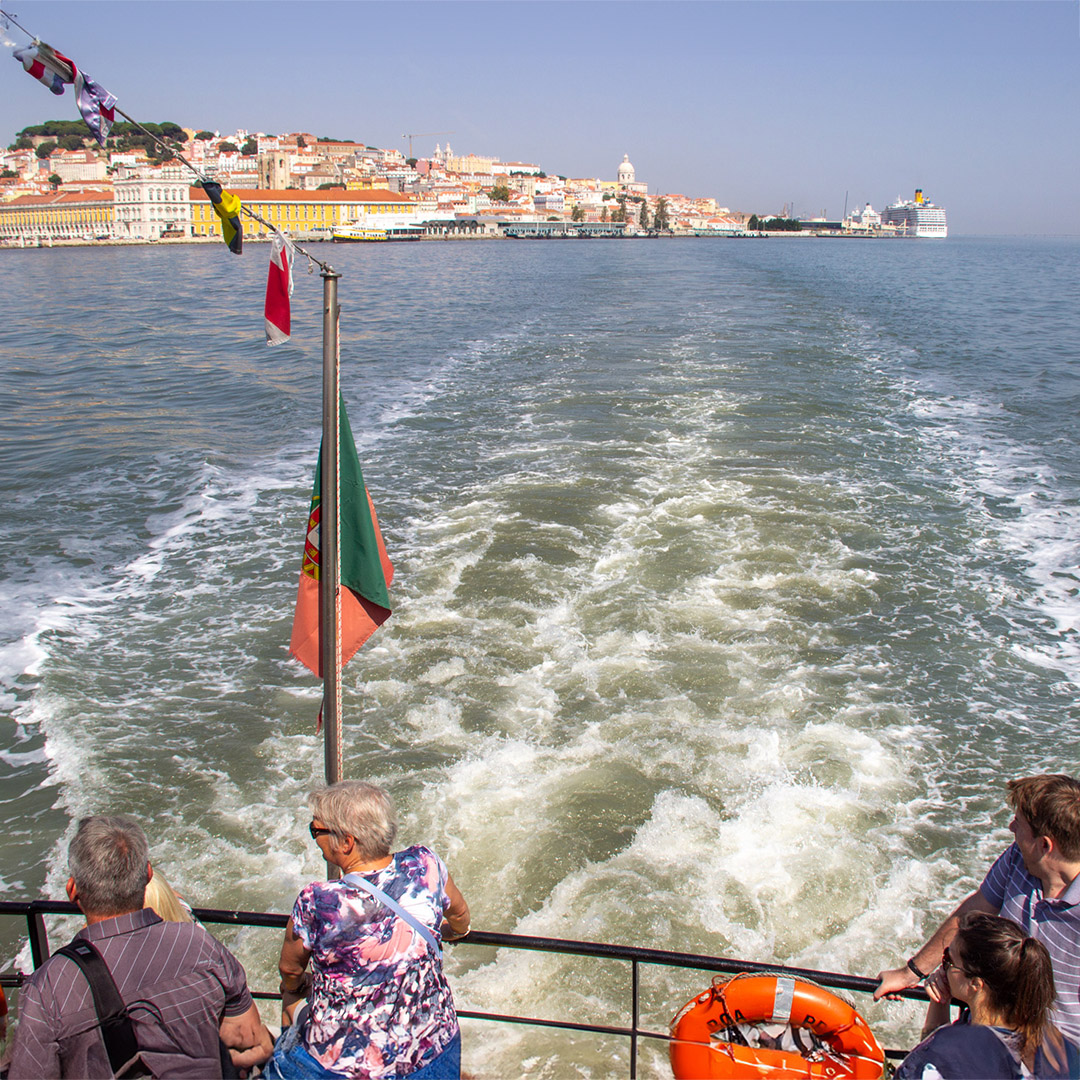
(423, 135)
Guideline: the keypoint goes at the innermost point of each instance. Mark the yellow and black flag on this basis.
(227, 206)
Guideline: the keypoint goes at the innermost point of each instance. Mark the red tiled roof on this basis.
(249, 195)
(62, 198)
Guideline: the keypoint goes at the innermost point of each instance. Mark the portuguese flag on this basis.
(366, 571)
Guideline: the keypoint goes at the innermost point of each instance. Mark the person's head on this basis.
(109, 863)
(993, 963)
(1050, 806)
(363, 811)
(160, 897)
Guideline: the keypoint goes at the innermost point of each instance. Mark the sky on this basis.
(756, 104)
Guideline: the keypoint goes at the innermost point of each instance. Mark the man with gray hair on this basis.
(185, 993)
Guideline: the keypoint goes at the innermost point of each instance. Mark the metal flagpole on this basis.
(329, 524)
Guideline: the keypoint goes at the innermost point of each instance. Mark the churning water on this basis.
(733, 581)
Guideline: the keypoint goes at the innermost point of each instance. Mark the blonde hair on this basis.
(160, 897)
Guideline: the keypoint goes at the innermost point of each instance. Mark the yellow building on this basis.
(62, 215)
(299, 211)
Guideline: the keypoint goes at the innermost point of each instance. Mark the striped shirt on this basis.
(1056, 923)
(179, 981)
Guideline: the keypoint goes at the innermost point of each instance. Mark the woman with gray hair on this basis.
(379, 1005)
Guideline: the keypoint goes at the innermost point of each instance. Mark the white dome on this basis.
(626, 171)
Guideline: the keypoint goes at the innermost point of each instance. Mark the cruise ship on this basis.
(916, 217)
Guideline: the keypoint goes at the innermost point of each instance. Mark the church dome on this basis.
(626, 171)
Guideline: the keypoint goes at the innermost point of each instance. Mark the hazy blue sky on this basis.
(756, 104)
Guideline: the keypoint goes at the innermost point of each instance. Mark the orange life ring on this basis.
(697, 1052)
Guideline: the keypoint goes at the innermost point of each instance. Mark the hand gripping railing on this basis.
(34, 910)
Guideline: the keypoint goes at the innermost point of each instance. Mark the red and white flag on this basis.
(279, 286)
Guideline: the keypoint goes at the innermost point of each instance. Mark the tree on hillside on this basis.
(54, 128)
(44, 150)
(774, 224)
(643, 217)
(578, 213)
(72, 142)
(204, 136)
(228, 148)
(661, 220)
(250, 148)
(603, 214)
(499, 193)
(55, 180)
(8, 174)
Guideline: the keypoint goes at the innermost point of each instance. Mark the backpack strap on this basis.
(414, 923)
(116, 1027)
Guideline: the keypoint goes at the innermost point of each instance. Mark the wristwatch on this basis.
(915, 971)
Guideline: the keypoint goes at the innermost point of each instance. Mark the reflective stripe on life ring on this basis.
(698, 1053)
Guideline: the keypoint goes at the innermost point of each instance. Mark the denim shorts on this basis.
(292, 1062)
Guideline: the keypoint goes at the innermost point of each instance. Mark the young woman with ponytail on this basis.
(1007, 983)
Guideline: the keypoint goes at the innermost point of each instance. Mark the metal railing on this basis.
(33, 912)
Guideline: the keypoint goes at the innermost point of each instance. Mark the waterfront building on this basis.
(721, 225)
(312, 212)
(151, 202)
(61, 215)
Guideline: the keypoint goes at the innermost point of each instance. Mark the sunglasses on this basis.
(316, 832)
(948, 963)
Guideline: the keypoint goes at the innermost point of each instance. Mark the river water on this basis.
(733, 581)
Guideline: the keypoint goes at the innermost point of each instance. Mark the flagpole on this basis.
(329, 527)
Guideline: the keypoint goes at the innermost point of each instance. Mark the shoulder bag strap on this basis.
(116, 1027)
(397, 909)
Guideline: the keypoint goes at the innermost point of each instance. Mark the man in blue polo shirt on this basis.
(1035, 882)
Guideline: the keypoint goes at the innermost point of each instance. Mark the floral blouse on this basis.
(380, 1006)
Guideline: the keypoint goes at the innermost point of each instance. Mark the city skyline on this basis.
(755, 104)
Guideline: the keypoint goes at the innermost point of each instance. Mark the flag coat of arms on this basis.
(366, 571)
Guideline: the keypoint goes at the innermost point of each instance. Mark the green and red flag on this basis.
(366, 571)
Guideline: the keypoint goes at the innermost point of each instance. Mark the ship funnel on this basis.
(918, 196)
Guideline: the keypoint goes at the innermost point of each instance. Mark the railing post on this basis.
(634, 1019)
(39, 937)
